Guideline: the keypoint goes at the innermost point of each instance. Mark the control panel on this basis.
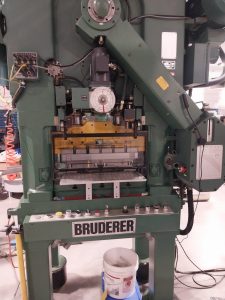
(25, 65)
(79, 215)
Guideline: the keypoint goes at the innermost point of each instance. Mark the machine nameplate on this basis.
(103, 227)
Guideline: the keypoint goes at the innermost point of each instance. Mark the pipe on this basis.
(191, 213)
(23, 285)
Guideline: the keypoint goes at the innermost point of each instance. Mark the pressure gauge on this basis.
(102, 99)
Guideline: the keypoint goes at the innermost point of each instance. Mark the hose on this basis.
(23, 285)
(191, 213)
(18, 93)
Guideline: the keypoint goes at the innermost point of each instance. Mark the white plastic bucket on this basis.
(120, 267)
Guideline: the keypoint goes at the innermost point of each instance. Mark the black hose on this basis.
(18, 93)
(72, 78)
(191, 213)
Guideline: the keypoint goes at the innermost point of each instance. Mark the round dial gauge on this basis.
(102, 99)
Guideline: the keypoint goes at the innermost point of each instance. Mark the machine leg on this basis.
(142, 249)
(164, 256)
(55, 256)
(58, 269)
(39, 279)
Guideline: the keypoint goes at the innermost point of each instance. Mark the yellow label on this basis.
(162, 83)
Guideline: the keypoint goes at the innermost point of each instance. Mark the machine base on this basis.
(59, 274)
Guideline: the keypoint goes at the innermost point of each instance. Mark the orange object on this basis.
(11, 159)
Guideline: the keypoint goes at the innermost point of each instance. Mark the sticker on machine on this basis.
(103, 227)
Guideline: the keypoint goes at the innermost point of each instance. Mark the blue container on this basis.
(136, 295)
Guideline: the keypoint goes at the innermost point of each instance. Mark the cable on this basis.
(200, 178)
(186, 105)
(10, 253)
(18, 93)
(9, 243)
(3, 244)
(195, 273)
(74, 79)
(191, 213)
(201, 141)
(159, 17)
(15, 293)
(79, 60)
(40, 67)
(12, 77)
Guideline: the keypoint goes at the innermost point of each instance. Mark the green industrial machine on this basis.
(111, 141)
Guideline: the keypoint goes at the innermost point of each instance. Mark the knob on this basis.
(87, 213)
(125, 210)
(147, 209)
(106, 212)
(77, 213)
(59, 214)
(97, 213)
(68, 213)
(137, 209)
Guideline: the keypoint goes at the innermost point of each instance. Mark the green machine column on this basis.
(163, 286)
(39, 270)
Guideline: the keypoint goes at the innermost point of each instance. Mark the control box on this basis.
(25, 65)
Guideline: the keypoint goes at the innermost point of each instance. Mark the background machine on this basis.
(111, 141)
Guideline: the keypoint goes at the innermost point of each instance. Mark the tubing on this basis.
(191, 213)
(23, 285)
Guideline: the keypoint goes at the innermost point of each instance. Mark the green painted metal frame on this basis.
(36, 110)
(38, 238)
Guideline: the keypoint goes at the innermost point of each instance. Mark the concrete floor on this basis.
(205, 245)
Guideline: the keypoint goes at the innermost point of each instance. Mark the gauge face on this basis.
(102, 100)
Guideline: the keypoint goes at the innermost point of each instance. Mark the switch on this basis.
(137, 209)
(183, 170)
(68, 213)
(106, 212)
(97, 213)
